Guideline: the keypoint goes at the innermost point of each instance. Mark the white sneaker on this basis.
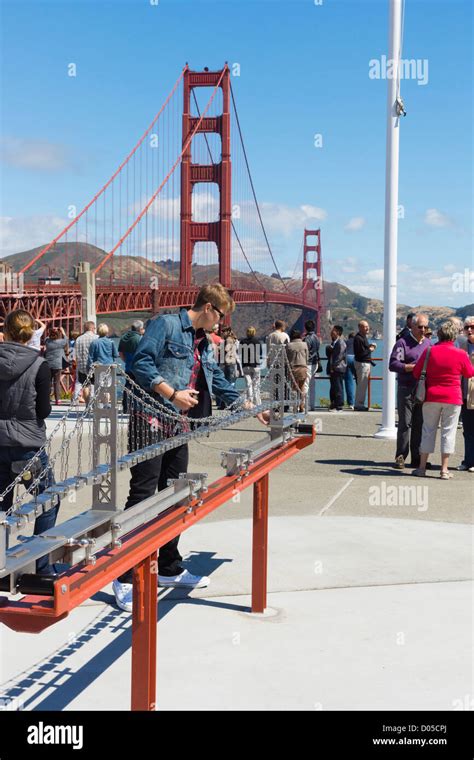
(184, 580)
(123, 595)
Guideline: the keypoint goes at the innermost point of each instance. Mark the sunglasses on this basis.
(221, 314)
(469, 327)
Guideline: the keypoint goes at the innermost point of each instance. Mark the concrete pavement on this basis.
(369, 605)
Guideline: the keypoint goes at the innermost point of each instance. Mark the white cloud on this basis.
(39, 155)
(23, 233)
(280, 219)
(375, 275)
(435, 218)
(354, 224)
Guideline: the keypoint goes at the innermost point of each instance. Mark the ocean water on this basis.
(322, 384)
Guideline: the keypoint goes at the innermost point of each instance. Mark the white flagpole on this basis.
(388, 429)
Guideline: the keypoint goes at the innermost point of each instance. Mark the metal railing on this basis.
(371, 379)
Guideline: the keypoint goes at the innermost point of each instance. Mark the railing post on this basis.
(104, 492)
(260, 544)
(144, 630)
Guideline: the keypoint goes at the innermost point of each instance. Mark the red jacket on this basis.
(445, 367)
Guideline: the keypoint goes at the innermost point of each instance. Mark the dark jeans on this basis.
(350, 380)
(467, 416)
(230, 372)
(146, 478)
(47, 519)
(410, 425)
(336, 391)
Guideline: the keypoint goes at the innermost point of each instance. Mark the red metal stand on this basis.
(33, 614)
(144, 630)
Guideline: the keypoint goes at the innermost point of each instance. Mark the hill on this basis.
(342, 305)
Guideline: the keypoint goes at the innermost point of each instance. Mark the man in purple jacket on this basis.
(403, 358)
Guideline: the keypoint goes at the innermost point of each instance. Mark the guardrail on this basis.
(369, 386)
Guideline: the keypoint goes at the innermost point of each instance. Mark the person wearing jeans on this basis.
(175, 363)
(337, 366)
(350, 376)
(25, 382)
(446, 365)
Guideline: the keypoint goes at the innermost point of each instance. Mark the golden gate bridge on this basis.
(179, 210)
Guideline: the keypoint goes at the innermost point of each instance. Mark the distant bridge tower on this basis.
(312, 273)
(218, 232)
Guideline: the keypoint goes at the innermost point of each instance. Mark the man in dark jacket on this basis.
(405, 354)
(362, 362)
(337, 366)
(313, 343)
(127, 349)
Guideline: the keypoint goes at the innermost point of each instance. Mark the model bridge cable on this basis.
(106, 442)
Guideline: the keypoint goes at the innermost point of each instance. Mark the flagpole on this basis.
(388, 429)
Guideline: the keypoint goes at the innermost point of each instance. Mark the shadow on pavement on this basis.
(66, 683)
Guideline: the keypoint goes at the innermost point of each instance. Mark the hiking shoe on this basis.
(183, 580)
(419, 473)
(400, 462)
(123, 595)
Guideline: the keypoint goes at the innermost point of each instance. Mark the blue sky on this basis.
(304, 70)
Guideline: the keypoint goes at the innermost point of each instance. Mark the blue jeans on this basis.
(47, 519)
(350, 380)
(467, 416)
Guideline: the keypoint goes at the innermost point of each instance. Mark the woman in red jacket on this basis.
(446, 365)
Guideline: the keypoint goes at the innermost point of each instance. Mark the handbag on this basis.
(419, 392)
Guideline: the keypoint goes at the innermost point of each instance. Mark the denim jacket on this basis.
(166, 354)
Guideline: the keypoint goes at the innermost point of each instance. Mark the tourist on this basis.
(405, 354)
(337, 365)
(446, 365)
(81, 348)
(55, 352)
(129, 343)
(103, 350)
(250, 356)
(278, 337)
(467, 414)
(362, 362)
(405, 331)
(127, 349)
(35, 341)
(313, 343)
(230, 354)
(350, 373)
(216, 342)
(298, 358)
(25, 384)
(175, 363)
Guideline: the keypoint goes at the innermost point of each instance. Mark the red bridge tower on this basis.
(218, 232)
